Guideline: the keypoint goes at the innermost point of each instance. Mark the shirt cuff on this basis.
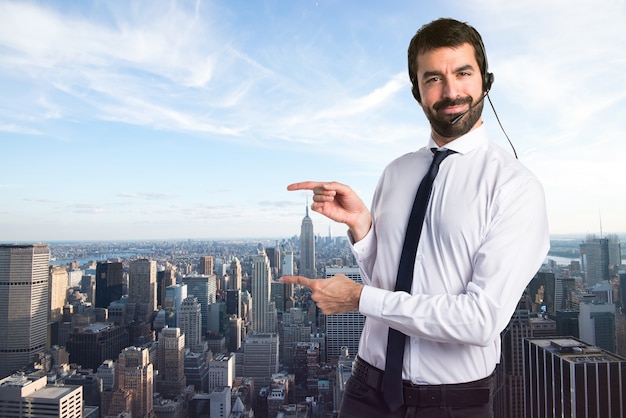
(364, 248)
(372, 301)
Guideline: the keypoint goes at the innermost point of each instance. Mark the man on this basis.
(483, 236)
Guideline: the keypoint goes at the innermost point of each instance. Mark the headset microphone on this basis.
(460, 115)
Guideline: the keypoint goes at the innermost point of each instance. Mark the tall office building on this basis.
(204, 288)
(92, 344)
(343, 330)
(142, 289)
(235, 333)
(109, 278)
(23, 304)
(594, 253)
(260, 357)
(563, 292)
(189, 320)
(565, 377)
(88, 287)
(206, 265)
(615, 250)
(26, 396)
(278, 295)
(273, 254)
(288, 269)
(174, 296)
(234, 273)
(233, 302)
(596, 324)
(197, 370)
(307, 248)
(166, 276)
(220, 403)
(106, 372)
(171, 380)
(59, 280)
(134, 373)
(221, 371)
(509, 396)
(263, 310)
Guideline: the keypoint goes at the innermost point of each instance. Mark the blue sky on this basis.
(182, 119)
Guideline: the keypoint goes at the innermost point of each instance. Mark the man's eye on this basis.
(432, 80)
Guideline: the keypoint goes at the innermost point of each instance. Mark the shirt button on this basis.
(419, 258)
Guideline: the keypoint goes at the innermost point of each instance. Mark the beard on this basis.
(440, 123)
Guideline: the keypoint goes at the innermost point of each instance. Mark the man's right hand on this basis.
(339, 203)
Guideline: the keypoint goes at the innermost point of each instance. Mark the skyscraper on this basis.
(109, 276)
(174, 296)
(307, 248)
(235, 275)
(23, 304)
(58, 291)
(189, 320)
(565, 377)
(134, 373)
(142, 290)
(273, 254)
(92, 344)
(263, 310)
(287, 269)
(594, 253)
(615, 250)
(221, 371)
(597, 324)
(206, 265)
(165, 277)
(171, 379)
(260, 357)
(204, 288)
(344, 330)
(233, 302)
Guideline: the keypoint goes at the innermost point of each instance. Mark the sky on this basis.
(140, 120)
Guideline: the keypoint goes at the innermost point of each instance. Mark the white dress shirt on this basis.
(484, 237)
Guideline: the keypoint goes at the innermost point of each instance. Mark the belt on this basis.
(425, 395)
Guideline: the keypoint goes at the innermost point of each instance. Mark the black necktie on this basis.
(392, 379)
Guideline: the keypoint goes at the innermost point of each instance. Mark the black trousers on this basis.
(362, 400)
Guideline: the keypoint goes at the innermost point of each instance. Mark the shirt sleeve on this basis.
(511, 252)
(365, 254)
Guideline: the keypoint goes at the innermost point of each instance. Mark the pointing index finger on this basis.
(304, 185)
(301, 280)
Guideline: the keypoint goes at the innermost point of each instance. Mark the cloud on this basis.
(147, 196)
(276, 203)
(16, 129)
(41, 200)
(94, 209)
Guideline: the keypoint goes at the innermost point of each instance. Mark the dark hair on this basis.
(446, 32)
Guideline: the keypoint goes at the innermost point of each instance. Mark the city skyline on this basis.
(189, 119)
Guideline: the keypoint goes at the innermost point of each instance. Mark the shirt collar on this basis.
(466, 143)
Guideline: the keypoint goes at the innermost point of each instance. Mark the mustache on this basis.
(452, 102)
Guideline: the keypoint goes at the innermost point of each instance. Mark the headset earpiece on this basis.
(487, 82)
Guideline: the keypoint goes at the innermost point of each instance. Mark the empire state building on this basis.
(307, 248)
